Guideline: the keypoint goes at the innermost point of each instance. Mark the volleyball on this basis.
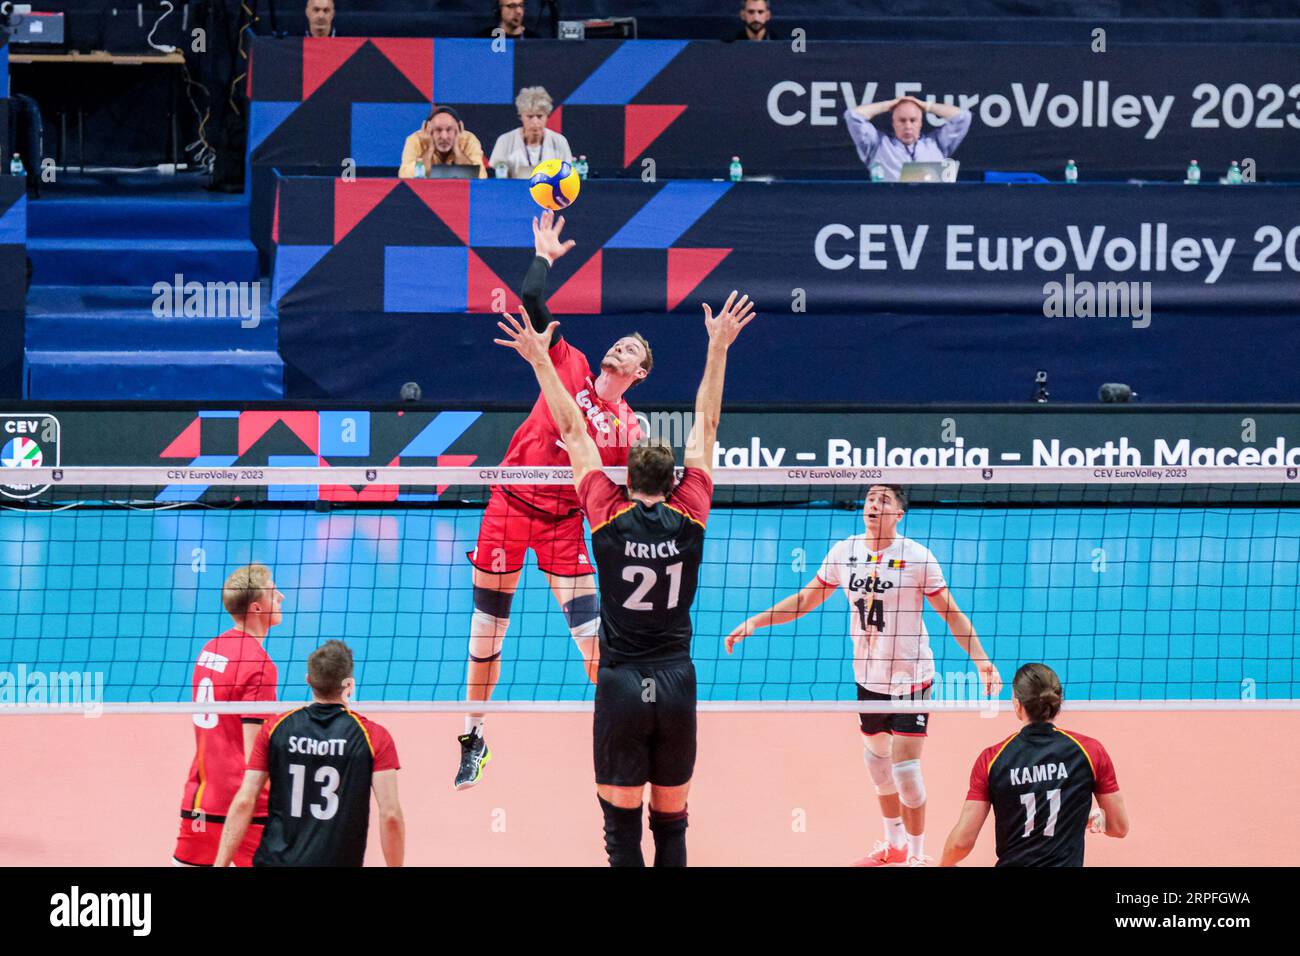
(554, 184)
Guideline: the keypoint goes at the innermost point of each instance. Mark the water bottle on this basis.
(737, 172)
(16, 166)
(1193, 174)
(419, 169)
(877, 173)
(1234, 174)
(501, 170)
(1071, 172)
(581, 167)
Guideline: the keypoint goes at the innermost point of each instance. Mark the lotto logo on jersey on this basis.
(873, 584)
(595, 415)
(28, 441)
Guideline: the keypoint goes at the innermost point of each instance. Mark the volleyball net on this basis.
(1151, 588)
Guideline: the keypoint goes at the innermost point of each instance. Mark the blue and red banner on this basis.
(1118, 110)
(670, 109)
(876, 293)
(442, 246)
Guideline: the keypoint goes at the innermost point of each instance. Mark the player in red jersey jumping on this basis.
(234, 666)
(546, 518)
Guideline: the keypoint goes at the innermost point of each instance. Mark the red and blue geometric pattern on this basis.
(316, 102)
(276, 438)
(443, 246)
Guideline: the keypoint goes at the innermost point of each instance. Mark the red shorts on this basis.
(510, 528)
(198, 847)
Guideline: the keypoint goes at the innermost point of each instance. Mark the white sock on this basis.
(894, 832)
(474, 725)
(916, 845)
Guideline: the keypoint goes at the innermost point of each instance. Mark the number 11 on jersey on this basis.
(1053, 809)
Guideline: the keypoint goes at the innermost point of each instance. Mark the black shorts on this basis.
(644, 726)
(904, 725)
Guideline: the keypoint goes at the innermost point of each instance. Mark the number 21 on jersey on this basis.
(646, 579)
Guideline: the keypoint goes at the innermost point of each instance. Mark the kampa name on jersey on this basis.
(661, 549)
(1037, 773)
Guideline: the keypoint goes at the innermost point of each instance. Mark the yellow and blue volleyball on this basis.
(554, 184)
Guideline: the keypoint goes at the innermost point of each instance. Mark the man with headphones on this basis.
(510, 21)
(442, 140)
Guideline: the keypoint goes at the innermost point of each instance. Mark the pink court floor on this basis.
(770, 790)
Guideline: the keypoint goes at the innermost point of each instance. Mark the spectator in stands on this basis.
(523, 148)
(320, 18)
(907, 144)
(754, 17)
(510, 20)
(442, 141)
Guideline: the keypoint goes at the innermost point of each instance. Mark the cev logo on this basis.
(22, 426)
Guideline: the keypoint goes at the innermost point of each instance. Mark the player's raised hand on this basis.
(726, 325)
(534, 346)
(739, 633)
(546, 237)
(990, 678)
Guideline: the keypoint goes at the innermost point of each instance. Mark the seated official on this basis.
(907, 144)
(523, 148)
(320, 18)
(442, 141)
(510, 21)
(755, 19)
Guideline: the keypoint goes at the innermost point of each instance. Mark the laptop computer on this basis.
(37, 29)
(942, 172)
(453, 171)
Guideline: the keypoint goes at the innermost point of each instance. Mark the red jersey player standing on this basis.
(234, 666)
(1040, 783)
(546, 518)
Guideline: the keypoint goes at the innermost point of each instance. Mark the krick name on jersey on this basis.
(661, 549)
(1037, 773)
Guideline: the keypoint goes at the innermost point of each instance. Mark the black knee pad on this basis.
(669, 831)
(496, 603)
(581, 610)
(622, 834)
